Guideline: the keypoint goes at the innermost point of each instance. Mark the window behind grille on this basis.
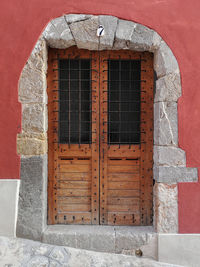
(124, 101)
(74, 101)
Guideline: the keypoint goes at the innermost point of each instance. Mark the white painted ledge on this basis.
(9, 193)
(180, 249)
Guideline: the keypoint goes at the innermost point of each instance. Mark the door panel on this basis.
(100, 137)
(126, 106)
(73, 138)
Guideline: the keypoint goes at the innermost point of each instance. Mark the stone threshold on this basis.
(110, 239)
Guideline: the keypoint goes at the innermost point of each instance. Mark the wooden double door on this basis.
(100, 137)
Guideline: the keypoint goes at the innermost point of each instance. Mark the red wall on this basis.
(177, 21)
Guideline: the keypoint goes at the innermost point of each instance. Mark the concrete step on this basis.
(18, 252)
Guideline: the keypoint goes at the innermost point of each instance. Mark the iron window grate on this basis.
(74, 95)
(124, 86)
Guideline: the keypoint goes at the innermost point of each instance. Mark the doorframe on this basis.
(169, 159)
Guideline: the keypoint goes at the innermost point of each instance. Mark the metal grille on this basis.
(124, 79)
(74, 101)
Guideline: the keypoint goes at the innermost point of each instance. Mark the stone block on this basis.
(111, 239)
(123, 34)
(168, 88)
(85, 33)
(169, 156)
(141, 38)
(58, 34)
(9, 191)
(71, 18)
(59, 235)
(103, 240)
(150, 249)
(165, 123)
(180, 249)
(38, 57)
(31, 144)
(165, 61)
(32, 83)
(175, 174)
(131, 238)
(110, 25)
(32, 210)
(96, 238)
(130, 35)
(156, 41)
(166, 208)
(34, 118)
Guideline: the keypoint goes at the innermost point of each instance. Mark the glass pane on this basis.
(74, 101)
(124, 101)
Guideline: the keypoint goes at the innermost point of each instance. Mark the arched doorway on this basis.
(65, 32)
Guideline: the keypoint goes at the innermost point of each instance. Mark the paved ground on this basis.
(15, 252)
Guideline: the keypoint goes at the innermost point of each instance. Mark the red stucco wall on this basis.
(177, 21)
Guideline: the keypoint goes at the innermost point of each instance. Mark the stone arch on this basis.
(169, 159)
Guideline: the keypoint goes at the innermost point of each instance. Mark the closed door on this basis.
(100, 137)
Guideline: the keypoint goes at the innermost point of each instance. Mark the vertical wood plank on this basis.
(149, 150)
(52, 136)
(95, 137)
(103, 137)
